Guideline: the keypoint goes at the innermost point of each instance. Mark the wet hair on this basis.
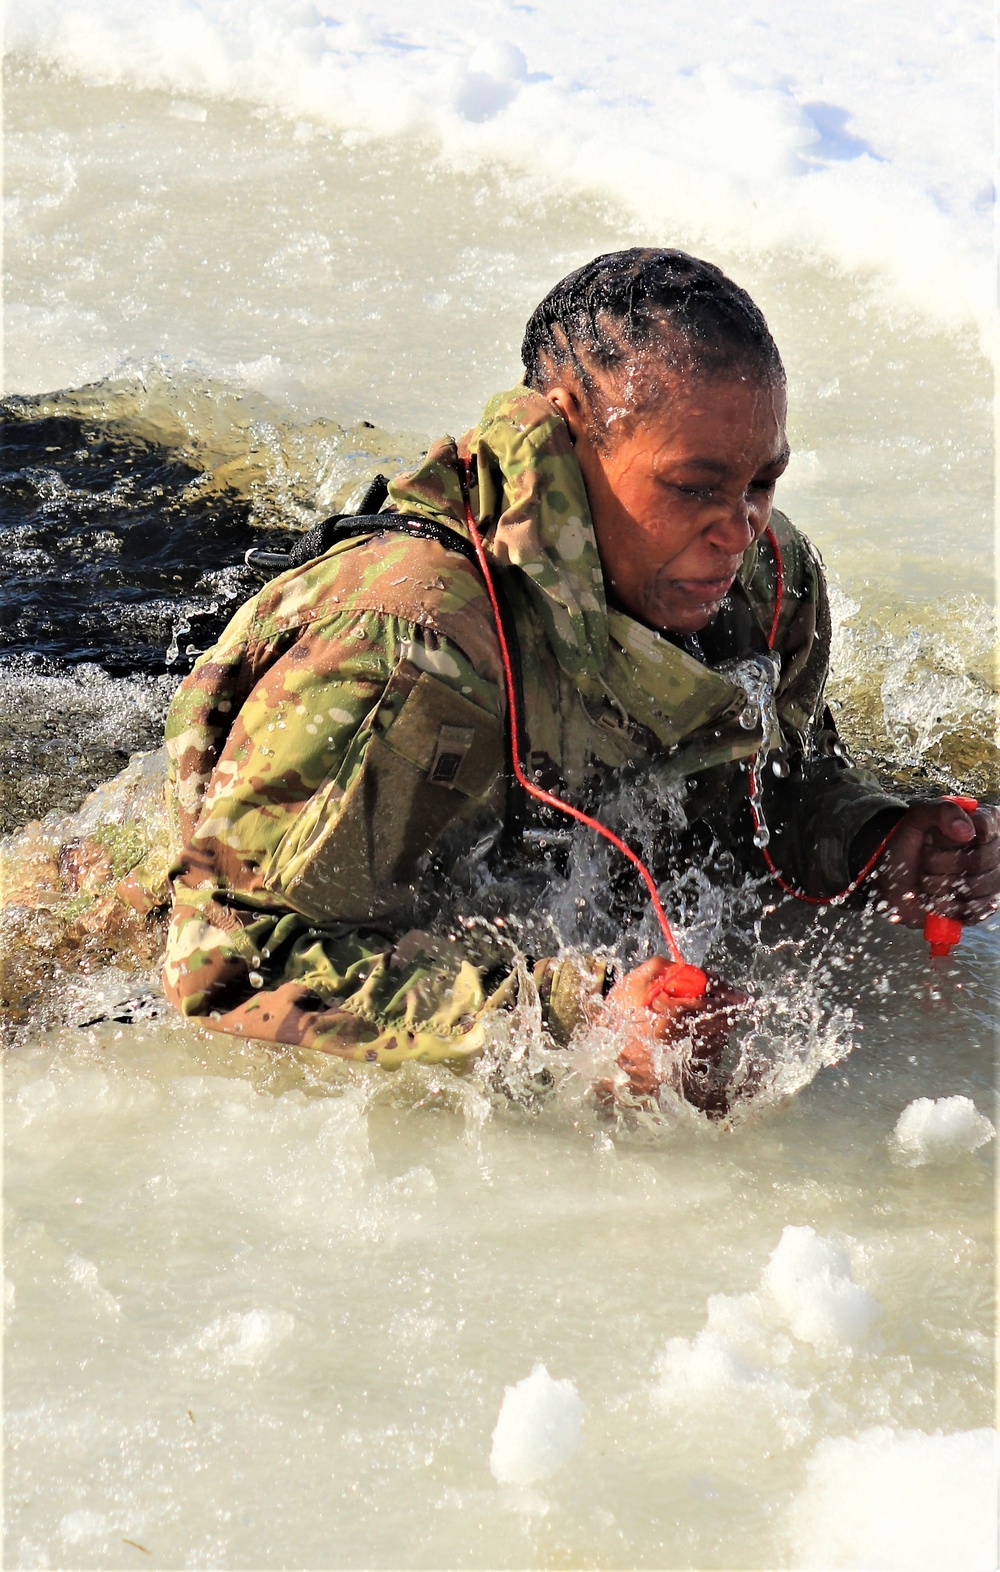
(599, 316)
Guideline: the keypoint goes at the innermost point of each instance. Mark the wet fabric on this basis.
(341, 750)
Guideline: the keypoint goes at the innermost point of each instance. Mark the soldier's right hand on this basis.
(678, 1043)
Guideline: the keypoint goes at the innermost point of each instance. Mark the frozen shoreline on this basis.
(861, 136)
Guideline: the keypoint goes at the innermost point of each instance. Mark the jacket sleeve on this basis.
(825, 815)
(311, 775)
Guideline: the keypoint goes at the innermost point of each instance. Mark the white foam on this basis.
(244, 1337)
(940, 1130)
(538, 1429)
(901, 1499)
(858, 133)
(76, 1528)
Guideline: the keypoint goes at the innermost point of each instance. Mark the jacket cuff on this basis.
(569, 990)
(872, 833)
(852, 830)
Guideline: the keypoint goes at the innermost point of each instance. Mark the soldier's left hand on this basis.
(942, 859)
(680, 1041)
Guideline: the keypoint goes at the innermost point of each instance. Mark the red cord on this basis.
(789, 889)
(547, 797)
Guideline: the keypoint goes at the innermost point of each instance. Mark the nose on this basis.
(733, 528)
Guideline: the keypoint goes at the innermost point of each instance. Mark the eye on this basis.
(696, 493)
(761, 490)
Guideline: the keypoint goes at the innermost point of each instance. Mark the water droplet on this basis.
(256, 980)
(748, 717)
(780, 768)
(761, 836)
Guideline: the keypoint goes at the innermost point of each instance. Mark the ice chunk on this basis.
(939, 1130)
(732, 1363)
(806, 1290)
(84, 1274)
(538, 1429)
(899, 1499)
(184, 109)
(808, 1281)
(727, 1352)
(36, 1094)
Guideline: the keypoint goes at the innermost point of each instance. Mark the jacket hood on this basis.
(526, 489)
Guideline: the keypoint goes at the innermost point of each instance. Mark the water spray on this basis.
(941, 933)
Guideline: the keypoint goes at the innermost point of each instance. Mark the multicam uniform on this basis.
(351, 721)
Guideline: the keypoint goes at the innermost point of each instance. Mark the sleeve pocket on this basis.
(353, 856)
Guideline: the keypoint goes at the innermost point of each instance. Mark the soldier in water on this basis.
(342, 757)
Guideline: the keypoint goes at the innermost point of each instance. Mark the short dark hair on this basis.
(624, 300)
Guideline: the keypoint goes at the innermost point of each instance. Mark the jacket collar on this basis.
(527, 491)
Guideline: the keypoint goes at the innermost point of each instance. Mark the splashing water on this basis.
(917, 691)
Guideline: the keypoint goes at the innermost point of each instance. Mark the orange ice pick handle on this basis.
(942, 932)
(679, 981)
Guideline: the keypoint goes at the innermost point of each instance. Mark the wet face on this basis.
(679, 493)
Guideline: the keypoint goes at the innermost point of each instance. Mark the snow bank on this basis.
(861, 133)
(891, 1499)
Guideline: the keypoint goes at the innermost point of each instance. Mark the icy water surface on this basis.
(290, 1299)
(263, 1310)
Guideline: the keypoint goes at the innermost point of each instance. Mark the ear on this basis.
(567, 401)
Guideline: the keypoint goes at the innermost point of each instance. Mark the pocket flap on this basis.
(357, 852)
(436, 721)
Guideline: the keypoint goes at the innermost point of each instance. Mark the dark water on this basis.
(119, 568)
(112, 554)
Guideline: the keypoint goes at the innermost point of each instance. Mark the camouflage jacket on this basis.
(348, 730)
